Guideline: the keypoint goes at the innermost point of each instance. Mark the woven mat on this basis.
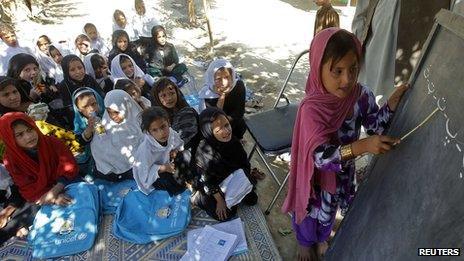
(260, 243)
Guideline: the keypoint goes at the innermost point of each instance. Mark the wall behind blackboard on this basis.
(414, 195)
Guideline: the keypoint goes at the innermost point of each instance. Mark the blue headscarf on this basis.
(80, 122)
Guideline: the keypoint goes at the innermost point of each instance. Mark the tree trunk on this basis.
(191, 12)
(210, 32)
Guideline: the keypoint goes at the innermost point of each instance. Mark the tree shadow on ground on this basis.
(54, 11)
(263, 76)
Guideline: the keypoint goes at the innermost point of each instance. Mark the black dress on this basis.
(215, 161)
(68, 86)
(234, 106)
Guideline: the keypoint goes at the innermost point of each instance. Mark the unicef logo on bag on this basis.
(67, 227)
(82, 236)
(164, 212)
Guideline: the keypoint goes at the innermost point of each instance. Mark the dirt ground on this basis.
(261, 38)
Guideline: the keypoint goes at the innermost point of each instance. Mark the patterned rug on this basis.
(260, 243)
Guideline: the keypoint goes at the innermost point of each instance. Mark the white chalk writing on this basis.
(451, 134)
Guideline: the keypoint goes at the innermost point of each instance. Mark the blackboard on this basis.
(414, 195)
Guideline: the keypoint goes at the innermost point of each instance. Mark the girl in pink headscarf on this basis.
(326, 137)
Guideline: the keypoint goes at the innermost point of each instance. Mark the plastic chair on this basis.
(272, 131)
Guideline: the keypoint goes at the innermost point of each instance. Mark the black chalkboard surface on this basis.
(414, 195)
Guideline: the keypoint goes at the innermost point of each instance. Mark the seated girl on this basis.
(16, 215)
(120, 23)
(47, 64)
(97, 67)
(35, 88)
(31, 84)
(160, 161)
(97, 42)
(40, 166)
(134, 91)
(10, 101)
(57, 52)
(113, 151)
(123, 66)
(223, 89)
(183, 118)
(162, 58)
(10, 97)
(83, 46)
(218, 156)
(122, 45)
(88, 110)
(74, 78)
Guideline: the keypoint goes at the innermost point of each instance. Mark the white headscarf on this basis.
(88, 65)
(113, 151)
(98, 44)
(117, 72)
(208, 92)
(90, 71)
(47, 64)
(58, 70)
(150, 155)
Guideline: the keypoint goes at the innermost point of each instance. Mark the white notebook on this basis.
(235, 187)
(211, 245)
(234, 227)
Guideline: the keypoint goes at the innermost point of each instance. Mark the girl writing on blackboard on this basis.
(326, 138)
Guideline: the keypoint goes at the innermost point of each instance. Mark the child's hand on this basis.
(53, 88)
(63, 200)
(170, 168)
(396, 96)
(377, 144)
(50, 197)
(170, 67)
(139, 81)
(4, 220)
(88, 132)
(221, 207)
(5, 215)
(173, 154)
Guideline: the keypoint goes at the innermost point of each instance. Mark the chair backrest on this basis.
(281, 92)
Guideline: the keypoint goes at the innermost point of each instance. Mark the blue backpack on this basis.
(61, 231)
(112, 193)
(144, 218)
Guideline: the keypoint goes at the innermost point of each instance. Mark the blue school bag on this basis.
(61, 231)
(142, 219)
(112, 193)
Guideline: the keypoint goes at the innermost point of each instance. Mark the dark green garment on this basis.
(160, 57)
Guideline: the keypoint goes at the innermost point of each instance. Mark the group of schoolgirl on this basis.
(115, 145)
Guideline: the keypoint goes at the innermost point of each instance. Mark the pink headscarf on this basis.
(319, 116)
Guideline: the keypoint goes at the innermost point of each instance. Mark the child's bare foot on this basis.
(257, 174)
(321, 248)
(22, 232)
(304, 253)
